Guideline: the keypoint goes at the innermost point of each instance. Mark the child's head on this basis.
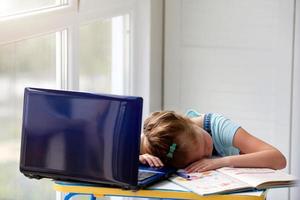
(174, 138)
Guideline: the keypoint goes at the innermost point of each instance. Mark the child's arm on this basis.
(254, 153)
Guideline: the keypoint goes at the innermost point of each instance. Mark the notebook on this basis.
(86, 137)
(228, 180)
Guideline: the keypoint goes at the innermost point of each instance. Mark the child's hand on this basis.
(205, 165)
(153, 161)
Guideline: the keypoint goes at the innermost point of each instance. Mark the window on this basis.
(104, 55)
(64, 47)
(21, 67)
(95, 56)
(18, 6)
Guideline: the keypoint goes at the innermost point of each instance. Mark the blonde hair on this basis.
(164, 128)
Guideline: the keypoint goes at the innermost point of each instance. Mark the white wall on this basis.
(295, 125)
(236, 58)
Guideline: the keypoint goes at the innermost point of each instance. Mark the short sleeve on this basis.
(224, 129)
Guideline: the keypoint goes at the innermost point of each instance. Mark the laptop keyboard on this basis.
(144, 175)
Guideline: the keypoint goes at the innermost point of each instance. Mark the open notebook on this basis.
(226, 180)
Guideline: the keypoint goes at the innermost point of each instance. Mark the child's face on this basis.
(203, 146)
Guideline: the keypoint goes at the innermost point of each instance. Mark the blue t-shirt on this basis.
(222, 132)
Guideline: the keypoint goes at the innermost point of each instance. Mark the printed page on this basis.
(171, 186)
(258, 176)
(210, 182)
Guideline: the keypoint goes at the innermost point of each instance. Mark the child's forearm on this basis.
(267, 158)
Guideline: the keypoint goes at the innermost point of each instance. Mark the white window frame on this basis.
(145, 62)
(32, 24)
(65, 20)
(143, 74)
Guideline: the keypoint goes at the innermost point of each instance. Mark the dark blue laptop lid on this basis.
(69, 135)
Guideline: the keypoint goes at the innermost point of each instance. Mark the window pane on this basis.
(8, 7)
(26, 63)
(104, 55)
(95, 56)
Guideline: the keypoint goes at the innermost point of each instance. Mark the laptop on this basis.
(86, 137)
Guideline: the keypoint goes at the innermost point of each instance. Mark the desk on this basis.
(153, 192)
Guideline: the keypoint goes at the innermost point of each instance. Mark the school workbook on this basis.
(228, 179)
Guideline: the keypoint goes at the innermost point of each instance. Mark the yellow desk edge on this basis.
(106, 191)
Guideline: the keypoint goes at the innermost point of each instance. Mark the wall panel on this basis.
(233, 57)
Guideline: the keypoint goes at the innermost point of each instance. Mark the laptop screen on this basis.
(81, 136)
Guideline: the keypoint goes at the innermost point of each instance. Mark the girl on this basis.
(199, 143)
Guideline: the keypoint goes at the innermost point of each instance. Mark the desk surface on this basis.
(152, 192)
